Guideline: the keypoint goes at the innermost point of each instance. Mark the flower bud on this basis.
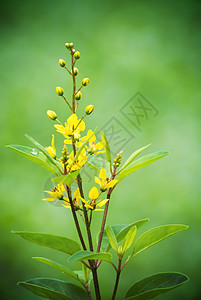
(73, 51)
(89, 109)
(71, 45)
(51, 114)
(67, 45)
(78, 95)
(85, 81)
(120, 251)
(62, 63)
(75, 71)
(77, 54)
(59, 91)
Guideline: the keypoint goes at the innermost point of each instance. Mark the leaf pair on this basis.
(129, 238)
(139, 163)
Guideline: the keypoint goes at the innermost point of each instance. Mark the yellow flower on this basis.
(93, 195)
(51, 149)
(79, 163)
(76, 200)
(56, 193)
(72, 126)
(103, 181)
(93, 148)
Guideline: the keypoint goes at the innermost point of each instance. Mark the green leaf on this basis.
(85, 255)
(112, 238)
(155, 235)
(58, 266)
(67, 179)
(34, 155)
(120, 232)
(56, 242)
(129, 238)
(82, 147)
(155, 285)
(132, 157)
(107, 148)
(54, 289)
(43, 150)
(141, 163)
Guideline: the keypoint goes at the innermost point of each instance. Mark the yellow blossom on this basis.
(72, 126)
(93, 148)
(76, 200)
(56, 193)
(103, 181)
(51, 149)
(79, 163)
(93, 203)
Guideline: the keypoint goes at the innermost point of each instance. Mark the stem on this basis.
(103, 225)
(79, 182)
(125, 263)
(96, 284)
(75, 218)
(74, 84)
(117, 280)
(88, 291)
(67, 102)
(105, 213)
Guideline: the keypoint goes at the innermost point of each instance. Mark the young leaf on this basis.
(54, 289)
(141, 163)
(58, 266)
(36, 156)
(85, 255)
(112, 238)
(155, 285)
(43, 150)
(67, 179)
(132, 157)
(56, 242)
(120, 232)
(129, 238)
(155, 235)
(107, 148)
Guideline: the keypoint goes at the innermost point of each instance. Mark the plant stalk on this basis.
(117, 280)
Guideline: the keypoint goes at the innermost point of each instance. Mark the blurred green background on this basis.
(126, 46)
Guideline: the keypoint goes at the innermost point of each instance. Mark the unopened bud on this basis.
(67, 45)
(77, 54)
(73, 51)
(78, 96)
(85, 81)
(89, 109)
(62, 63)
(59, 91)
(71, 45)
(75, 71)
(51, 114)
(120, 251)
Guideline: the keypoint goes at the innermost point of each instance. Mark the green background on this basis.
(126, 46)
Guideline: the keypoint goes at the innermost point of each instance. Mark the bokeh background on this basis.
(126, 46)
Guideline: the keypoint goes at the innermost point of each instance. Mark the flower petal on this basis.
(102, 174)
(111, 183)
(93, 193)
(97, 180)
(103, 202)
